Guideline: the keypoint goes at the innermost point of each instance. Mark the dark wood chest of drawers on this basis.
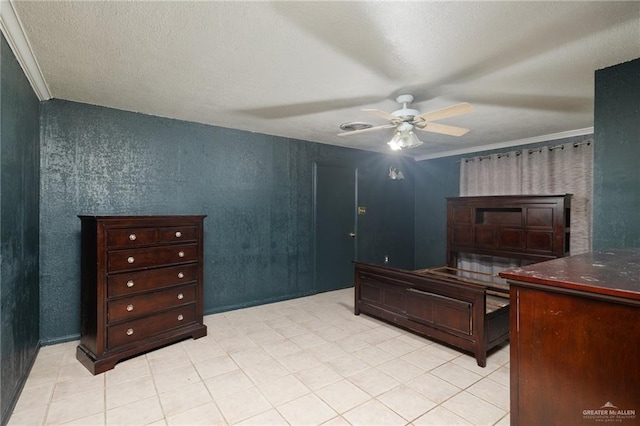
(575, 340)
(141, 285)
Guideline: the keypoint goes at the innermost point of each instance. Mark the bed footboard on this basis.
(437, 307)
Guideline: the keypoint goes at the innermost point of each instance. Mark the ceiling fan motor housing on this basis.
(405, 113)
(405, 126)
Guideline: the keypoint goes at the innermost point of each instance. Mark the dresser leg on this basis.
(91, 363)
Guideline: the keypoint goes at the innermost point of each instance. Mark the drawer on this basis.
(130, 237)
(128, 284)
(120, 260)
(177, 234)
(134, 237)
(130, 332)
(145, 304)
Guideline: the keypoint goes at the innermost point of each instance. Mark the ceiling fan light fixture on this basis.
(410, 140)
(394, 144)
(404, 137)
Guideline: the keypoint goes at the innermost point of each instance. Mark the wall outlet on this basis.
(386, 259)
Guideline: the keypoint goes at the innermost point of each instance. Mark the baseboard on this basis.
(57, 340)
(233, 307)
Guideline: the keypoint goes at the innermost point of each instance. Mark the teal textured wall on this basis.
(256, 191)
(436, 180)
(616, 152)
(19, 185)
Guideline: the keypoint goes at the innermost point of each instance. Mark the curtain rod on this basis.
(560, 146)
(488, 157)
(531, 151)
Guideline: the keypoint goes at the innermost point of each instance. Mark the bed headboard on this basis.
(532, 227)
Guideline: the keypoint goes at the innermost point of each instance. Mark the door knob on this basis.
(352, 234)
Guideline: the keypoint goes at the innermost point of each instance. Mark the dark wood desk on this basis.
(575, 340)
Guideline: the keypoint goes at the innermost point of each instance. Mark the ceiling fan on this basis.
(405, 120)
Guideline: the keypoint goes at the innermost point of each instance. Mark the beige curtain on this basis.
(565, 169)
(554, 169)
(496, 174)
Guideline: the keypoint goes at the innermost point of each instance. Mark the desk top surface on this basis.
(614, 272)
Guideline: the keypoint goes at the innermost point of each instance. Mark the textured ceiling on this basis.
(300, 69)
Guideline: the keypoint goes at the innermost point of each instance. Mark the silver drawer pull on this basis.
(132, 237)
(181, 254)
(178, 234)
(180, 296)
(130, 283)
(129, 308)
(180, 317)
(130, 259)
(130, 332)
(180, 275)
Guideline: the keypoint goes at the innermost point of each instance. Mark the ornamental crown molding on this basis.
(16, 38)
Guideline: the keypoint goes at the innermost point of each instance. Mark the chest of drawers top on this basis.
(135, 231)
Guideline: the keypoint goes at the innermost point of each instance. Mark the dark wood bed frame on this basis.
(464, 309)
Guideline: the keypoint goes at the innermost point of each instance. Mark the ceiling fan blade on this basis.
(306, 108)
(538, 102)
(446, 112)
(370, 129)
(369, 45)
(382, 114)
(442, 129)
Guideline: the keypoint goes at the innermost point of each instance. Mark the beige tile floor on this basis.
(306, 361)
